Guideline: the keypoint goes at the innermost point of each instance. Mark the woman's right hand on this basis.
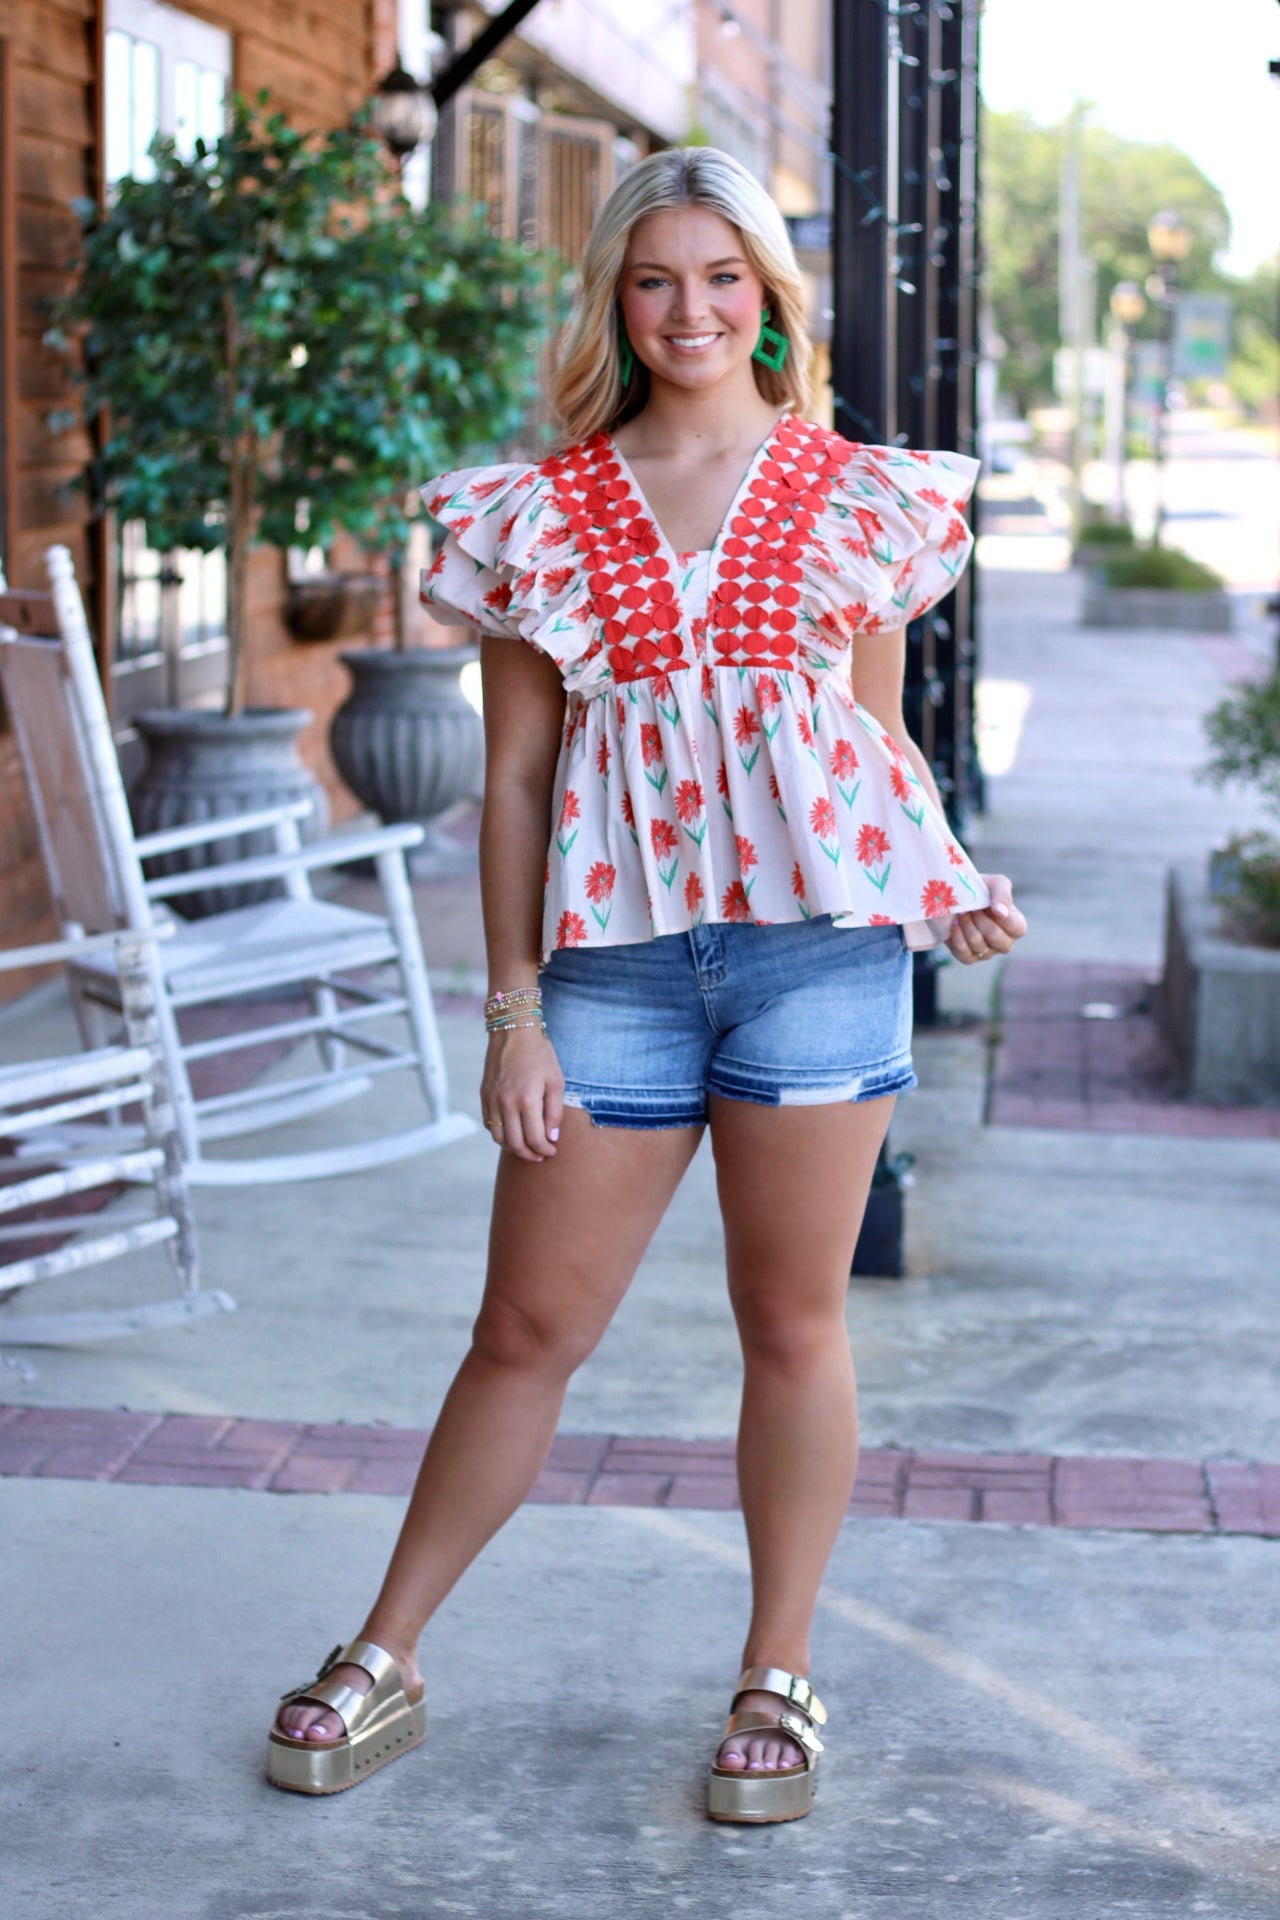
(522, 1093)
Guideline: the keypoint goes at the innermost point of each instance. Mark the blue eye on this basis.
(731, 277)
(652, 281)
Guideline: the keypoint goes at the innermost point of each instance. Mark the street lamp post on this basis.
(1128, 304)
(1170, 241)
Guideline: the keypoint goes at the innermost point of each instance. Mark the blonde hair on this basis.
(586, 387)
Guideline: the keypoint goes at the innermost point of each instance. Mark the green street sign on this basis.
(1201, 336)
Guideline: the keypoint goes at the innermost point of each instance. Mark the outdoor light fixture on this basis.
(1128, 302)
(1169, 238)
(404, 114)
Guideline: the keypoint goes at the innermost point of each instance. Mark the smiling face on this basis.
(690, 298)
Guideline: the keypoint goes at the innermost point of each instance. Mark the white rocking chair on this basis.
(310, 946)
(38, 1096)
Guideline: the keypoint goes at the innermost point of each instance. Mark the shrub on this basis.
(1159, 567)
(1106, 533)
(1244, 736)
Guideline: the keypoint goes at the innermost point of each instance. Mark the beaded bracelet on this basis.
(520, 1007)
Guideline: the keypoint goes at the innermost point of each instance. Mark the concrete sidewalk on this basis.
(1026, 1721)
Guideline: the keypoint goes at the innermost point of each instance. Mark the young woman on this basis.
(708, 845)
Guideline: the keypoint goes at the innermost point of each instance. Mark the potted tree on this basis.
(406, 740)
(1221, 984)
(261, 369)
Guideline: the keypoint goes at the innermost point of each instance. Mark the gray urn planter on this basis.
(406, 740)
(1155, 607)
(204, 766)
(1219, 1002)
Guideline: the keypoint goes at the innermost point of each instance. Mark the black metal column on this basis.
(862, 335)
(955, 758)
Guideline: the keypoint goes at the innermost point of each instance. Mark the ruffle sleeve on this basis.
(890, 542)
(507, 563)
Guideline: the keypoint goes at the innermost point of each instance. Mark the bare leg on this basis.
(793, 1185)
(566, 1236)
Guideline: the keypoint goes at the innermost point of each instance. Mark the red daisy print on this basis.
(499, 598)
(722, 781)
(650, 743)
(774, 794)
(525, 581)
(881, 920)
(504, 531)
(797, 881)
(628, 812)
(435, 503)
(870, 522)
(459, 526)
(931, 497)
(688, 801)
(602, 756)
(894, 746)
(734, 904)
(661, 687)
(663, 837)
(745, 726)
(569, 809)
(699, 628)
(571, 930)
(708, 683)
(437, 565)
(620, 710)
(954, 854)
(767, 692)
(804, 729)
(936, 897)
(955, 536)
(555, 580)
(858, 548)
(872, 845)
(822, 818)
(899, 782)
(481, 489)
(599, 881)
(844, 761)
(746, 853)
(692, 892)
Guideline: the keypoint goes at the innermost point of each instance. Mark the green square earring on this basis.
(626, 358)
(771, 348)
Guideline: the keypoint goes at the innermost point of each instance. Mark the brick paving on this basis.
(595, 1469)
(1057, 1066)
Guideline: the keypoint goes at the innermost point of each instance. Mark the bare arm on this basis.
(523, 719)
(878, 670)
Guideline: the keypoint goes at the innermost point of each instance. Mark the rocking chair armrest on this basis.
(338, 851)
(52, 952)
(198, 833)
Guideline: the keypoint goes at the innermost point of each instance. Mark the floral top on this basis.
(714, 763)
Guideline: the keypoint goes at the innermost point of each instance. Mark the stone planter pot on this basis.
(1219, 1002)
(406, 740)
(1155, 607)
(202, 766)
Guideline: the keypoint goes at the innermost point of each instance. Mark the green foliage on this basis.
(1254, 372)
(1106, 533)
(1244, 735)
(1123, 184)
(1250, 894)
(1159, 567)
(270, 324)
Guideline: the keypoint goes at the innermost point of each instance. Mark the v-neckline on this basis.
(712, 551)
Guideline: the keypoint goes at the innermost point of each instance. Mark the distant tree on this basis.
(1254, 374)
(1123, 183)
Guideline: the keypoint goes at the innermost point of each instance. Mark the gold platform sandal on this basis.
(783, 1793)
(380, 1725)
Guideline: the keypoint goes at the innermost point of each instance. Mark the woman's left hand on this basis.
(990, 930)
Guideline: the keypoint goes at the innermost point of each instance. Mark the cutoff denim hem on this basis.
(793, 1014)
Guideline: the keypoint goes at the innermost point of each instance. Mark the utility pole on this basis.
(1070, 306)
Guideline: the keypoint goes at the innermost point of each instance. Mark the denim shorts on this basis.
(797, 1013)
